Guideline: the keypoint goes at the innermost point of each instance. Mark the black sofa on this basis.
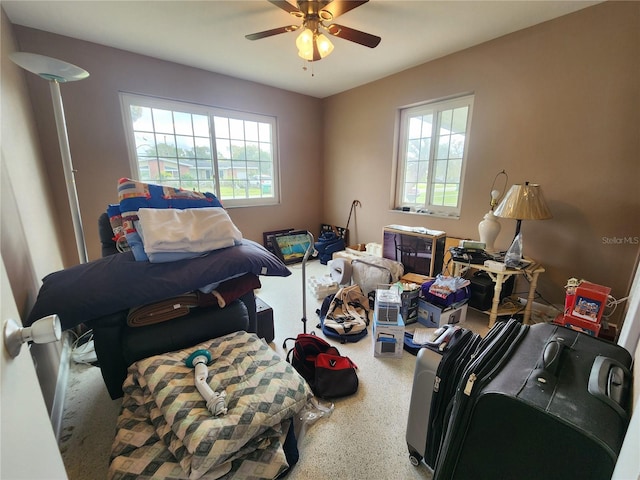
(118, 345)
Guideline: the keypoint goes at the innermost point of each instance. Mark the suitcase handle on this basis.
(609, 381)
(551, 355)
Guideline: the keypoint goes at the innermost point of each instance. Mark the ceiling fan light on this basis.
(306, 54)
(325, 47)
(304, 42)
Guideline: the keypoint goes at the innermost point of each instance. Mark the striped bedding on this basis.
(164, 430)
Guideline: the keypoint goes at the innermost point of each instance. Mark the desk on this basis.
(531, 273)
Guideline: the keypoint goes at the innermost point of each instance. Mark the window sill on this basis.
(425, 213)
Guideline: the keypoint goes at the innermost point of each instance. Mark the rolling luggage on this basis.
(432, 389)
(541, 402)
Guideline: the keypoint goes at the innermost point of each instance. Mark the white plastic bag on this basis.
(513, 257)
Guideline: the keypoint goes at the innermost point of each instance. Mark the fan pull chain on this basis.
(305, 68)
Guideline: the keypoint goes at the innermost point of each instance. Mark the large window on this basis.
(431, 156)
(229, 153)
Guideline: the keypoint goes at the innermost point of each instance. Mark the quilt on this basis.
(164, 430)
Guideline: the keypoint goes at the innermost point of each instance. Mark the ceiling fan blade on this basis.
(286, 6)
(273, 31)
(339, 7)
(354, 35)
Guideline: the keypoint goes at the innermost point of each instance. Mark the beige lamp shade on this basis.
(524, 202)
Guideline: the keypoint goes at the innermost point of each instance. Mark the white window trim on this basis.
(404, 113)
(127, 99)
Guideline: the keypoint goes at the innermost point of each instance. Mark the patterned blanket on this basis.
(165, 431)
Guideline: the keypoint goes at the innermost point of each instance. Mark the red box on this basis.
(588, 302)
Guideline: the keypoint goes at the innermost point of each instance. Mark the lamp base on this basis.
(489, 228)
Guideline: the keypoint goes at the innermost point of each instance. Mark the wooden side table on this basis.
(531, 273)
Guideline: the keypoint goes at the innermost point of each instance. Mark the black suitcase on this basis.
(542, 402)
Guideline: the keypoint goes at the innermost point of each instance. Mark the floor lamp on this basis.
(56, 72)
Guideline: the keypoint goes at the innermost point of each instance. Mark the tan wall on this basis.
(97, 139)
(30, 250)
(556, 104)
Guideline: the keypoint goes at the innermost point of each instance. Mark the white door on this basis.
(28, 448)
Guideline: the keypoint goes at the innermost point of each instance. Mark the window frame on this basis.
(129, 99)
(436, 107)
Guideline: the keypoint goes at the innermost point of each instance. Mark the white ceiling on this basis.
(210, 34)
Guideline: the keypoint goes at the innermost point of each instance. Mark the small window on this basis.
(195, 147)
(431, 156)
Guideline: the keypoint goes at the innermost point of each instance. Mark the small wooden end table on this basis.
(530, 272)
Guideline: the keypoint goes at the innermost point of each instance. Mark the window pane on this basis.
(456, 148)
(166, 145)
(445, 122)
(443, 147)
(141, 118)
(162, 121)
(201, 126)
(185, 146)
(264, 132)
(454, 170)
(415, 127)
(437, 197)
(203, 147)
(413, 149)
(222, 127)
(236, 128)
(450, 198)
(425, 148)
(460, 120)
(265, 153)
(253, 151)
(237, 150)
(182, 123)
(251, 131)
(224, 148)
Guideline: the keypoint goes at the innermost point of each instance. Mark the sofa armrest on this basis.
(117, 345)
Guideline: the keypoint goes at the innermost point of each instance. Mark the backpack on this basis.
(329, 374)
(344, 316)
(327, 245)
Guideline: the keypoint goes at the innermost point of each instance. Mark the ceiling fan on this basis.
(312, 44)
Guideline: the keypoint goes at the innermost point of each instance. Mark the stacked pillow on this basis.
(162, 224)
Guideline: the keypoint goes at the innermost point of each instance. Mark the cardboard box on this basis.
(434, 316)
(409, 309)
(388, 304)
(415, 278)
(388, 338)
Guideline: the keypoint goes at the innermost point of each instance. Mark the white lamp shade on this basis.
(48, 68)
